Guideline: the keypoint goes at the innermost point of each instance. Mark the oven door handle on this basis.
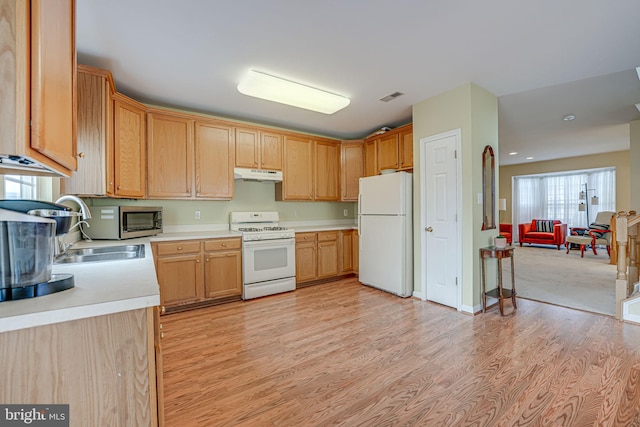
(271, 242)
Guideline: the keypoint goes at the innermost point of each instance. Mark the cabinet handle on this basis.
(81, 155)
(163, 309)
(224, 245)
(160, 326)
(161, 335)
(207, 260)
(119, 187)
(179, 248)
(198, 261)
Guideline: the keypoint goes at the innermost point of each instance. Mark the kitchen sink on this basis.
(104, 253)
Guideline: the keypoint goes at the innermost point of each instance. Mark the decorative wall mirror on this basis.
(488, 189)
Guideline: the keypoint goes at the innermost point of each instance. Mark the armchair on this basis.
(544, 232)
(506, 230)
(598, 233)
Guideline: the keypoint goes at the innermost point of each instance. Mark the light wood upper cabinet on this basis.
(370, 164)
(258, 149)
(38, 63)
(130, 152)
(169, 155)
(387, 151)
(405, 148)
(94, 176)
(391, 150)
(352, 169)
(298, 170)
(327, 171)
(214, 160)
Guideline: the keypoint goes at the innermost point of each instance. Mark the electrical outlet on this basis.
(346, 212)
(197, 214)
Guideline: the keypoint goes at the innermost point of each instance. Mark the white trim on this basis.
(457, 135)
(626, 305)
(420, 295)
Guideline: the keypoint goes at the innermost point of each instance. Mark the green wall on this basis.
(249, 196)
(474, 111)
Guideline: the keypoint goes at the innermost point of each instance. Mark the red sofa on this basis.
(537, 233)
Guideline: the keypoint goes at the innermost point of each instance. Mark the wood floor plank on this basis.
(345, 354)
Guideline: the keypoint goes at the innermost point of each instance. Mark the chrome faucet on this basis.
(85, 214)
(84, 209)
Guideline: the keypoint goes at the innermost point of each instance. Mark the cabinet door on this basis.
(247, 153)
(327, 171)
(169, 156)
(387, 147)
(298, 170)
(215, 157)
(180, 279)
(405, 150)
(94, 176)
(222, 274)
(352, 169)
(53, 80)
(306, 259)
(327, 259)
(270, 151)
(346, 251)
(370, 155)
(356, 252)
(129, 148)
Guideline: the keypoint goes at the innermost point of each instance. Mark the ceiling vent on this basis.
(391, 97)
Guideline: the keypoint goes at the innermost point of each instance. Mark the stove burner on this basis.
(274, 228)
(249, 229)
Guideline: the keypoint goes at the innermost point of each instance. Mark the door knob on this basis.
(429, 229)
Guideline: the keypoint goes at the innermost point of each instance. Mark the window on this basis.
(557, 196)
(25, 187)
(19, 187)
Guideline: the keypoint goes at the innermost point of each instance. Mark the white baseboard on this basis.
(420, 295)
(625, 312)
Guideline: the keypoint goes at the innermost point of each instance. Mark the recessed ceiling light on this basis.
(529, 158)
(271, 88)
(513, 153)
(569, 117)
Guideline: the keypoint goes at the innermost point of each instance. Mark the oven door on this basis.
(265, 260)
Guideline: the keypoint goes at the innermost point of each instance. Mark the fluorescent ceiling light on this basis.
(638, 106)
(638, 72)
(265, 86)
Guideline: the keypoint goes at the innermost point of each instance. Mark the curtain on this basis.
(557, 196)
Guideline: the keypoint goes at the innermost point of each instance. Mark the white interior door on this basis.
(440, 193)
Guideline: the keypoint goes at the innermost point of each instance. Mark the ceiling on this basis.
(542, 59)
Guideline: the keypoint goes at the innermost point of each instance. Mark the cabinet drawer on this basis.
(305, 237)
(222, 244)
(325, 236)
(176, 248)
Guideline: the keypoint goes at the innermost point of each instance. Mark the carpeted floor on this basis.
(544, 273)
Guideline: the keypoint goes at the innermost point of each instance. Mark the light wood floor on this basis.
(345, 354)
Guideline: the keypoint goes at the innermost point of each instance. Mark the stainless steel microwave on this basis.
(124, 222)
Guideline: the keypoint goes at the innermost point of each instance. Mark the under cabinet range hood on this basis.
(246, 174)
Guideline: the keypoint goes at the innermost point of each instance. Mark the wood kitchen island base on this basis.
(103, 367)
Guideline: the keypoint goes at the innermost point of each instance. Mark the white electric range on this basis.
(268, 254)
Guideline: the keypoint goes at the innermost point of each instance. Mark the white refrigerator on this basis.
(385, 228)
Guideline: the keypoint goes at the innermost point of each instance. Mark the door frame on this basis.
(457, 135)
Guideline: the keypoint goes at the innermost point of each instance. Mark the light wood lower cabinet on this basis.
(306, 257)
(323, 255)
(222, 268)
(104, 367)
(193, 271)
